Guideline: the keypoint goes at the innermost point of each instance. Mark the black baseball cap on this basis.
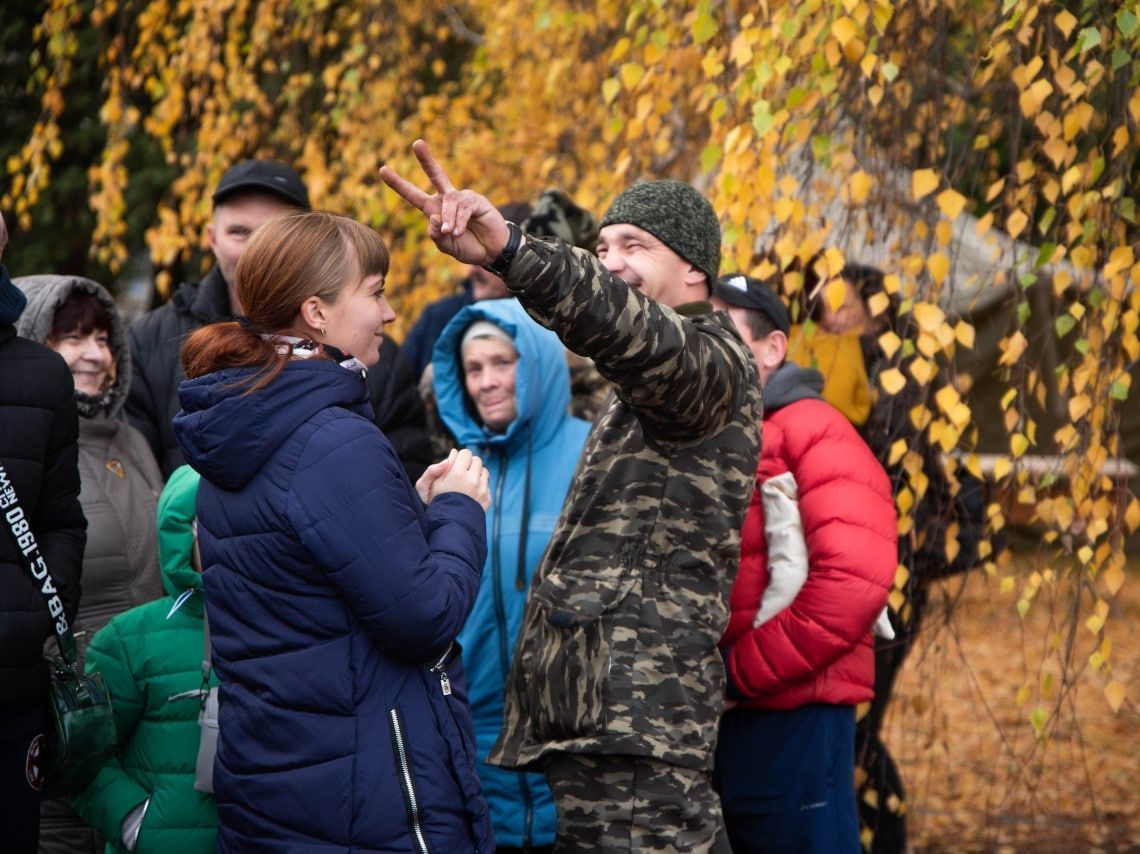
(746, 292)
(267, 176)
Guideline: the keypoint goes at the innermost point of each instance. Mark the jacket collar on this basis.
(210, 301)
(694, 309)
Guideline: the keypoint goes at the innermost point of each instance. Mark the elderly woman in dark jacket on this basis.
(38, 431)
(121, 482)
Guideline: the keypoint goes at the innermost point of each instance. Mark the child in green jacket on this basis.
(151, 658)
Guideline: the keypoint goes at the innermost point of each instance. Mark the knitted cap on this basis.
(675, 214)
(556, 215)
(12, 300)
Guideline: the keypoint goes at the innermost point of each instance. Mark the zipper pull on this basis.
(445, 684)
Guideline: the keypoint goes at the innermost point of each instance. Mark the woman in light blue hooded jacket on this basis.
(503, 390)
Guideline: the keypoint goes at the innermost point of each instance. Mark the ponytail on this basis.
(230, 345)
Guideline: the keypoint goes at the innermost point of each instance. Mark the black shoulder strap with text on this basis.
(18, 523)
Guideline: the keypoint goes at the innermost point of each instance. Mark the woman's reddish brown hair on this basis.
(289, 259)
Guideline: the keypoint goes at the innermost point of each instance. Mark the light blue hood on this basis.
(542, 382)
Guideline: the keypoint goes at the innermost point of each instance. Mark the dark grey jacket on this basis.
(156, 341)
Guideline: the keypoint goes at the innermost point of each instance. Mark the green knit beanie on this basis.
(675, 214)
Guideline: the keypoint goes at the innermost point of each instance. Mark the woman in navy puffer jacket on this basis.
(334, 589)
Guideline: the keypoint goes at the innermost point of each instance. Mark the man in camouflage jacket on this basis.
(616, 685)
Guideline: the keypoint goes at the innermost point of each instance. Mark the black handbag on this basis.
(81, 735)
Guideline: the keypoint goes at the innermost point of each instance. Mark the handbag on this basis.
(81, 736)
(207, 721)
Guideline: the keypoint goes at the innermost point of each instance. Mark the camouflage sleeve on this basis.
(685, 380)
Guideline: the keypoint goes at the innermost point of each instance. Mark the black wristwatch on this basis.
(502, 264)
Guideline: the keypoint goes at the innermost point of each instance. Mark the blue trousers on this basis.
(786, 779)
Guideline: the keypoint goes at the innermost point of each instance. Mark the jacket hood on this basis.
(177, 508)
(790, 383)
(542, 380)
(46, 294)
(227, 436)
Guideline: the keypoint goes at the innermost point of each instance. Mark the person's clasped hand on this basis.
(3, 235)
(461, 472)
(461, 223)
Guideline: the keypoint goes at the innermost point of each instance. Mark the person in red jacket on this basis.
(817, 560)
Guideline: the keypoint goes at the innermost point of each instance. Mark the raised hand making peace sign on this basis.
(463, 224)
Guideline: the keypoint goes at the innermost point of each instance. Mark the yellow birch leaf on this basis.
(1115, 693)
(995, 189)
(1012, 347)
(928, 316)
(1064, 21)
(1120, 260)
(610, 89)
(892, 380)
(1078, 406)
(1023, 693)
(939, 266)
(1016, 223)
(1132, 515)
(1119, 140)
(944, 231)
(921, 370)
(951, 203)
(875, 95)
(889, 343)
(877, 304)
(947, 398)
(892, 283)
(923, 182)
(1018, 445)
(896, 600)
(1033, 97)
(836, 293)
(1114, 579)
(859, 187)
(964, 333)
(1057, 151)
(898, 448)
(844, 30)
(631, 74)
(984, 224)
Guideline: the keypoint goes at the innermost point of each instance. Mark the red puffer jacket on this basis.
(819, 648)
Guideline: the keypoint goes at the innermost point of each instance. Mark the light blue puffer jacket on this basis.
(531, 466)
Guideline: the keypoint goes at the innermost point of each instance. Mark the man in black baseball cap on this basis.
(759, 316)
(249, 193)
(269, 176)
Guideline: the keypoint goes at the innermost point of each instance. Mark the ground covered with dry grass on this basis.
(980, 682)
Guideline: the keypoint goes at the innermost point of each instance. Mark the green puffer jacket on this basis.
(151, 658)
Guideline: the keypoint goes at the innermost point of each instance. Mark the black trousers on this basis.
(20, 793)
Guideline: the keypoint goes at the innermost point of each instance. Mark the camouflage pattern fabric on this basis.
(438, 435)
(555, 215)
(618, 648)
(588, 388)
(620, 803)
